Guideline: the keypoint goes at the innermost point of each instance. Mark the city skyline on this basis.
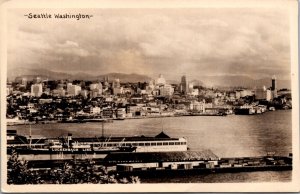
(194, 42)
(206, 81)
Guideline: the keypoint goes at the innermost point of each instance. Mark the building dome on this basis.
(161, 80)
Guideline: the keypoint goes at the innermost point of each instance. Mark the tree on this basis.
(18, 172)
(73, 172)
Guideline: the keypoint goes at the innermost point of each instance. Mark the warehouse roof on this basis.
(121, 157)
(162, 135)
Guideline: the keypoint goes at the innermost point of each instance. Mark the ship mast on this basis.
(30, 139)
(162, 124)
(102, 128)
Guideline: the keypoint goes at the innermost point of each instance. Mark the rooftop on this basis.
(160, 156)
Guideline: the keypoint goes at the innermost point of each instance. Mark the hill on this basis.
(52, 75)
(241, 81)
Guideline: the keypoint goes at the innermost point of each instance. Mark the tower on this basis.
(184, 85)
(274, 83)
(274, 87)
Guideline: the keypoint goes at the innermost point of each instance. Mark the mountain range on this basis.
(52, 75)
(242, 81)
(208, 81)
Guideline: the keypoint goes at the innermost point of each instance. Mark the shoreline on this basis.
(127, 118)
(119, 119)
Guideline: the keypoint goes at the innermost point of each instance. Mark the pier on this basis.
(174, 163)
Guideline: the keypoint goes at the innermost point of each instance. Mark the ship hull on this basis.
(244, 111)
(58, 154)
(89, 147)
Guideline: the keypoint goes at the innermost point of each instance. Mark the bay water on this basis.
(226, 136)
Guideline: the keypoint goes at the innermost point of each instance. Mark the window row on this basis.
(139, 144)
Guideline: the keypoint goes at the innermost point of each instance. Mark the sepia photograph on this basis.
(140, 96)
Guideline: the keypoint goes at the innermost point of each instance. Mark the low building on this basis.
(8, 90)
(95, 110)
(136, 99)
(197, 106)
(245, 93)
(195, 92)
(107, 113)
(172, 160)
(166, 90)
(121, 113)
(134, 110)
(45, 101)
(59, 92)
(118, 90)
(263, 94)
(73, 90)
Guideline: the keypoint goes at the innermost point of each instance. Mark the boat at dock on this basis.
(206, 114)
(250, 109)
(98, 120)
(69, 147)
(17, 121)
(61, 148)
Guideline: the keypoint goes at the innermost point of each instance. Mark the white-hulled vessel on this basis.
(90, 147)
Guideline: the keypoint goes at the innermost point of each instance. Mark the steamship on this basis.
(69, 147)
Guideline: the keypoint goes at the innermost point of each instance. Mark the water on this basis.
(230, 136)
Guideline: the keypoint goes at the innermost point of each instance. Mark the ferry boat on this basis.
(244, 111)
(17, 121)
(250, 109)
(90, 147)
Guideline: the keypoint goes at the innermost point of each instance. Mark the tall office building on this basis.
(116, 87)
(96, 90)
(96, 86)
(36, 90)
(184, 85)
(191, 87)
(105, 82)
(116, 83)
(166, 90)
(37, 80)
(274, 86)
(73, 90)
(59, 92)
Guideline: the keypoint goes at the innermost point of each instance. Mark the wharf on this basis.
(163, 172)
(157, 164)
(189, 163)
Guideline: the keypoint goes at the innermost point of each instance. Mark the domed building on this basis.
(160, 80)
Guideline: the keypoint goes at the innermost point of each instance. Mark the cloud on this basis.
(71, 48)
(69, 44)
(152, 41)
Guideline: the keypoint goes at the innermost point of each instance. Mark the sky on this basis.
(194, 42)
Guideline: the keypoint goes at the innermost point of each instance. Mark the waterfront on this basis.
(230, 136)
